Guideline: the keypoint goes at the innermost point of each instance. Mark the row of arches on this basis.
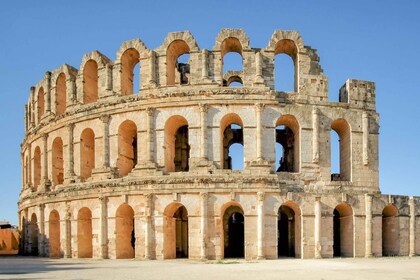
(176, 231)
(177, 148)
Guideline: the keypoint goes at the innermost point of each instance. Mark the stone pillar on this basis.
(412, 252)
(32, 105)
(259, 109)
(205, 65)
(203, 123)
(48, 93)
(365, 123)
(108, 81)
(150, 134)
(70, 154)
(260, 227)
(318, 227)
(258, 68)
(368, 225)
(41, 235)
(315, 135)
(105, 120)
(103, 237)
(152, 64)
(203, 224)
(26, 244)
(29, 167)
(148, 226)
(45, 181)
(67, 251)
(26, 118)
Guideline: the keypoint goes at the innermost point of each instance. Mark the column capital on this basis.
(150, 111)
(260, 196)
(105, 118)
(44, 136)
(315, 111)
(204, 195)
(70, 125)
(203, 107)
(260, 106)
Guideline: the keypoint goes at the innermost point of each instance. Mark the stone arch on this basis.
(37, 168)
(289, 230)
(279, 35)
(34, 235)
(390, 231)
(177, 148)
(127, 147)
(288, 47)
(230, 135)
(233, 233)
(289, 138)
(54, 234)
(40, 103)
(87, 153)
(129, 59)
(175, 49)
(237, 34)
(125, 232)
(176, 236)
(57, 162)
(232, 76)
(343, 230)
(84, 233)
(60, 94)
(342, 128)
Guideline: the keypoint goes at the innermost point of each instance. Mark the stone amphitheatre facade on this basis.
(112, 173)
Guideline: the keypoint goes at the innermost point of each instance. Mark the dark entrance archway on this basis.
(234, 233)
(286, 232)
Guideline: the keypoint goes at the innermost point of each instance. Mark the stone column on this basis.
(365, 123)
(150, 134)
(368, 225)
(48, 93)
(260, 227)
(203, 123)
(258, 68)
(203, 224)
(148, 226)
(108, 81)
(318, 225)
(67, 252)
(105, 120)
(70, 153)
(32, 106)
(259, 109)
(412, 227)
(26, 118)
(26, 246)
(45, 181)
(41, 235)
(29, 167)
(103, 238)
(315, 135)
(152, 69)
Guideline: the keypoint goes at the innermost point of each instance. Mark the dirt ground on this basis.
(13, 267)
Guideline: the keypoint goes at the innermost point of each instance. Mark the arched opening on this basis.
(34, 235)
(342, 128)
(176, 231)
(84, 233)
(285, 66)
(177, 148)
(127, 147)
(232, 153)
(232, 80)
(54, 234)
(234, 232)
(231, 54)
(90, 82)
(177, 67)
(60, 94)
(87, 153)
(288, 230)
(125, 236)
(41, 104)
(390, 231)
(287, 144)
(129, 60)
(343, 230)
(37, 168)
(57, 162)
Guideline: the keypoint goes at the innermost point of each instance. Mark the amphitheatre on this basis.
(109, 172)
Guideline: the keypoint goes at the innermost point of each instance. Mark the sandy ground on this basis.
(12, 267)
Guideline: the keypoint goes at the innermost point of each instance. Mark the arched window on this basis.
(41, 104)
(287, 144)
(232, 150)
(176, 231)
(57, 162)
(232, 79)
(177, 148)
(60, 94)
(54, 234)
(231, 52)
(177, 68)
(129, 61)
(84, 233)
(37, 167)
(87, 153)
(127, 147)
(125, 239)
(342, 128)
(343, 230)
(390, 231)
(285, 66)
(234, 232)
(90, 82)
(34, 232)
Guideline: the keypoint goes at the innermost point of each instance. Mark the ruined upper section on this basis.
(67, 89)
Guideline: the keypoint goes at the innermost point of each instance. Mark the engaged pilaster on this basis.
(365, 122)
(317, 228)
(203, 224)
(104, 227)
(70, 175)
(45, 182)
(315, 135)
(148, 225)
(412, 252)
(260, 233)
(203, 120)
(368, 225)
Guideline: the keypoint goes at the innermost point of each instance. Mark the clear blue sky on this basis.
(369, 40)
